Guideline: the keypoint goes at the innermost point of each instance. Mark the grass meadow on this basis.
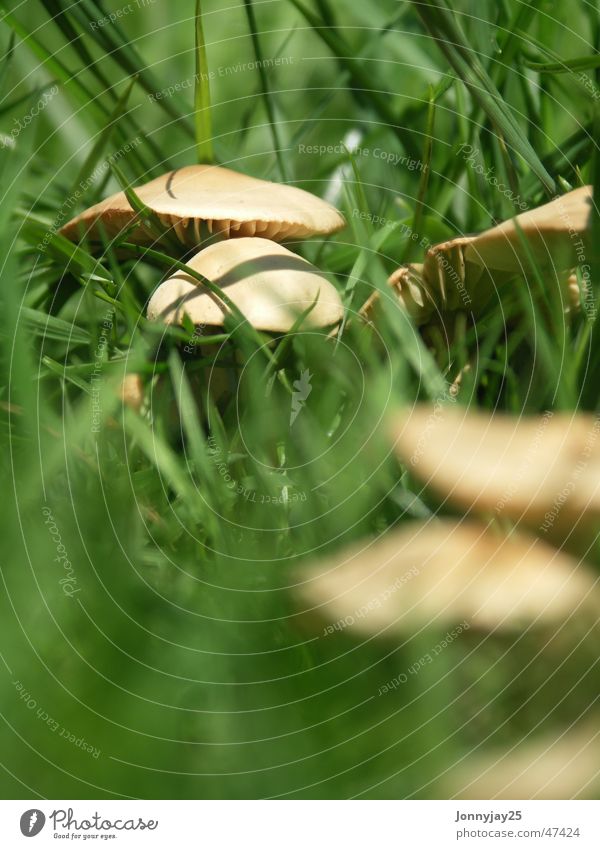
(157, 640)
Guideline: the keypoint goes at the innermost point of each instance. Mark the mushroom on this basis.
(543, 470)
(553, 233)
(443, 283)
(206, 199)
(554, 766)
(444, 573)
(267, 282)
(447, 273)
(131, 391)
(464, 272)
(410, 288)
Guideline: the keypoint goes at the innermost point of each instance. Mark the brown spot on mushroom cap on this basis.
(267, 282)
(552, 232)
(443, 573)
(225, 201)
(516, 467)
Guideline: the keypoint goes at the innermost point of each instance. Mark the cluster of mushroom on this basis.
(465, 273)
(244, 219)
(540, 473)
(529, 494)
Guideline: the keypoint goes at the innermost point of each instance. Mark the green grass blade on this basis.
(361, 78)
(202, 100)
(95, 154)
(160, 455)
(417, 222)
(265, 89)
(51, 327)
(450, 39)
(583, 63)
(115, 43)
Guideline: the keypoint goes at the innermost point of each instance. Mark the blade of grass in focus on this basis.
(266, 91)
(202, 104)
(444, 27)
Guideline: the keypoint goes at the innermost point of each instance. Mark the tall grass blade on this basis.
(202, 101)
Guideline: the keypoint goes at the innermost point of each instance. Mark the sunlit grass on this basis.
(184, 655)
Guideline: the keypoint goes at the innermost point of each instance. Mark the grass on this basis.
(179, 650)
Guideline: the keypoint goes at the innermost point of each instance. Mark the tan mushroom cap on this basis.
(517, 467)
(446, 282)
(267, 282)
(564, 766)
(552, 231)
(227, 202)
(449, 280)
(442, 573)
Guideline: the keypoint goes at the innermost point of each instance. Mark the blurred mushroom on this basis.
(443, 573)
(201, 200)
(131, 391)
(564, 766)
(268, 283)
(544, 470)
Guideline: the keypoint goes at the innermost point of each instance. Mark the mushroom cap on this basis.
(445, 282)
(563, 765)
(453, 277)
(444, 573)
(225, 201)
(552, 232)
(267, 282)
(517, 467)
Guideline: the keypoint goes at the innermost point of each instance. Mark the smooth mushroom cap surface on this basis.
(553, 233)
(520, 467)
(563, 765)
(267, 282)
(225, 201)
(443, 573)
